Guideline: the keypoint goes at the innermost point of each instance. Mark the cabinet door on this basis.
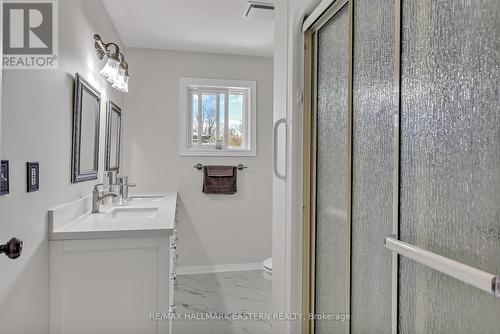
(108, 286)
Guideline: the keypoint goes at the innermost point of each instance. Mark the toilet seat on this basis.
(268, 269)
(268, 264)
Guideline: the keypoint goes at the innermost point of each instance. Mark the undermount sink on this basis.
(153, 198)
(133, 213)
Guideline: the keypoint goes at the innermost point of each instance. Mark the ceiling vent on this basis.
(259, 11)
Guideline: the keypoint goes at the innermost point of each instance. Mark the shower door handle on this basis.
(467, 274)
(275, 149)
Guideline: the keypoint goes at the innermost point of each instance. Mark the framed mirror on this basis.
(86, 123)
(113, 137)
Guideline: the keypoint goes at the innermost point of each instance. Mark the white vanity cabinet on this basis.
(112, 280)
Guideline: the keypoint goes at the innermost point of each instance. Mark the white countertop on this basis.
(142, 217)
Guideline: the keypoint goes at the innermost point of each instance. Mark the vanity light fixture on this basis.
(116, 68)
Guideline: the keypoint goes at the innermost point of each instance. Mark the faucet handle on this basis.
(96, 187)
(132, 185)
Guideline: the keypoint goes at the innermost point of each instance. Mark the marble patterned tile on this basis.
(239, 293)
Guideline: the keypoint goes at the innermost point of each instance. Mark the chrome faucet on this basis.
(98, 196)
(123, 186)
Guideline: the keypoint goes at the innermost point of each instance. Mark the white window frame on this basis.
(186, 148)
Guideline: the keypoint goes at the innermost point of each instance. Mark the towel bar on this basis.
(200, 166)
(472, 276)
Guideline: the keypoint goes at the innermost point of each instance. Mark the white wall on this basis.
(36, 126)
(214, 229)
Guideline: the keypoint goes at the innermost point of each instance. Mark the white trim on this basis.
(282, 242)
(287, 196)
(249, 121)
(219, 268)
(216, 153)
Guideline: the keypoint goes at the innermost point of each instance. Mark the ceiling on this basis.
(214, 26)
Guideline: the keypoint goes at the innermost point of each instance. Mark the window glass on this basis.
(194, 120)
(235, 122)
(222, 120)
(209, 114)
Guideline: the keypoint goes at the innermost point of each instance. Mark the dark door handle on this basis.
(12, 248)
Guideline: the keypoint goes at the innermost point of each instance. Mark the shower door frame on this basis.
(309, 158)
(395, 165)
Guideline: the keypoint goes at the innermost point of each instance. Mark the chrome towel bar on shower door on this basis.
(475, 277)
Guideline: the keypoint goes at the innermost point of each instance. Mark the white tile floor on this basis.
(242, 292)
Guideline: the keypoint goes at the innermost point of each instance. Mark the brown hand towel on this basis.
(219, 179)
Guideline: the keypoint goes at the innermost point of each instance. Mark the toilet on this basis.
(268, 269)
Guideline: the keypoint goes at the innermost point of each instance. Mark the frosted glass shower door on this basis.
(450, 161)
(405, 145)
(332, 171)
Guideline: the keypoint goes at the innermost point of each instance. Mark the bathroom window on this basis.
(217, 117)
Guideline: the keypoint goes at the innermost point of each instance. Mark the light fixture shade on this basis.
(125, 83)
(116, 68)
(121, 82)
(110, 70)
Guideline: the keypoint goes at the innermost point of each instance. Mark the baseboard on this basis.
(218, 268)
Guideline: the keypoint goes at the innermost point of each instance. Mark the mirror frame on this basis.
(82, 85)
(113, 108)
